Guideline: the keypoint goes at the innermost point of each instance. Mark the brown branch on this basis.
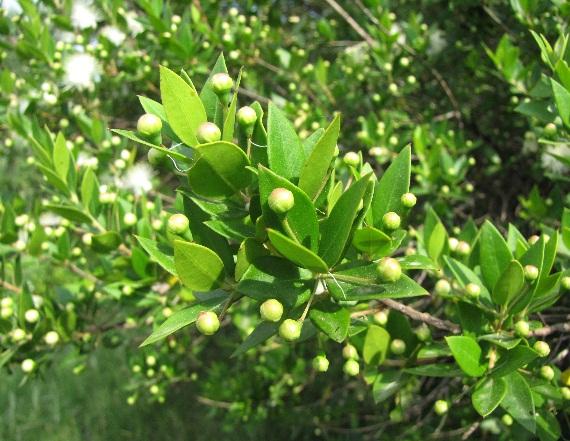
(10, 287)
(214, 403)
(547, 330)
(352, 23)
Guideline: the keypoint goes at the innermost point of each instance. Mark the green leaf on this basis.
(370, 240)
(435, 370)
(488, 395)
(69, 212)
(249, 250)
(272, 277)
(562, 99)
(467, 354)
(464, 275)
(198, 267)
(261, 333)
(212, 105)
(316, 169)
(230, 121)
(164, 260)
(296, 252)
(234, 229)
(90, 190)
(519, 401)
(417, 261)
(547, 426)
(386, 384)
(495, 255)
(183, 107)
(219, 170)
(310, 142)
(61, 157)
(392, 185)
(331, 319)
(185, 317)
(105, 242)
(509, 284)
(134, 137)
(302, 218)
(376, 344)
(512, 360)
(502, 339)
(337, 227)
(284, 150)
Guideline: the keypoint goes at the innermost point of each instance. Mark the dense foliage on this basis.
(331, 220)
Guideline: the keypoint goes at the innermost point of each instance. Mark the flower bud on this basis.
(550, 129)
(290, 330)
(408, 200)
(28, 365)
(507, 420)
(352, 159)
(542, 348)
(271, 310)
(530, 272)
(351, 367)
(463, 248)
(423, 333)
(389, 269)
(547, 373)
(565, 377)
(178, 224)
(32, 315)
(391, 220)
(149, 125)
(441, 407)
(397, 346)
(130, 219)
(473, 290)
(222, 83)
(565, 392)
(381, 317)
(321, 363)
(281, 200)
(155, 157)
(208, 132)
(565, 282)
(522, 328)
(350, 352)
(208, 323)
(246, 116)
(51, 338)
(442, 287)
(453, 242)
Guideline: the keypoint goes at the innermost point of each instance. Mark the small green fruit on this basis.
(522, 328)
(208, 132)
(208, 323)
(222, 83)
(507, 420)
(155, 157)
(530, 272)
(473, 290)
(246, 116)
(397, 346)
(381, 317)
(389, 269)
(349, 352)
(178, 224)
(271, 310)
(281, 200)
(565, 377)
(351, 367)
(463, 248)
(550, 129)
(391, 220)
(423, 333)
(28, 365)
(352, 159)
(442, 287)
(542, 348)
(453, 242)
(565, 392)
(408, 200)
(547, 373)
(321, 363)
(290, 330)
(565, 282)
(440, 407)
(149, 125)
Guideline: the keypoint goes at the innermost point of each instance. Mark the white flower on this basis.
(138, 179)
(81, 71)
(84, 15)
(134, 25)
(553, 164)
(437, 42)
(49, 220)
(114, 35)
(12, 7)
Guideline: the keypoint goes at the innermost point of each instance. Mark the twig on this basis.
(353, 24)
(547, 330)
(10, 287)
(214, 403)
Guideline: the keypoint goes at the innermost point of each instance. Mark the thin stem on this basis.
(289, 230)
(10, 287)
(306, 311)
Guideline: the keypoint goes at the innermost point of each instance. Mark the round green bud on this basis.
(565, 392)
(408, 200)
(349, 352)
(550, 129)
(129, 219)
(542, 348)
(208, 323)
(397, 346)
(391, 221)
(442, 287)
(178, 224)
(507, 420)
(155, 157)
(208, 132)
(150, 360)
(28, 365)
(281, 200)
(530, 272)
(389, 269)
(246, 116)
(32, 315)
(222, 83)
(381, 317)
(473, 290)
(565, 377)
(453, 242)
(440, 407)
(51, 338)
(547, 373)
(463, 248)
(271, 310)
(149, 125)
(565, 282)
(290, 330)
(423, 333)
(321, 363)
(533, 239)
(522, 328)
(352, 159)
(351, 367)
